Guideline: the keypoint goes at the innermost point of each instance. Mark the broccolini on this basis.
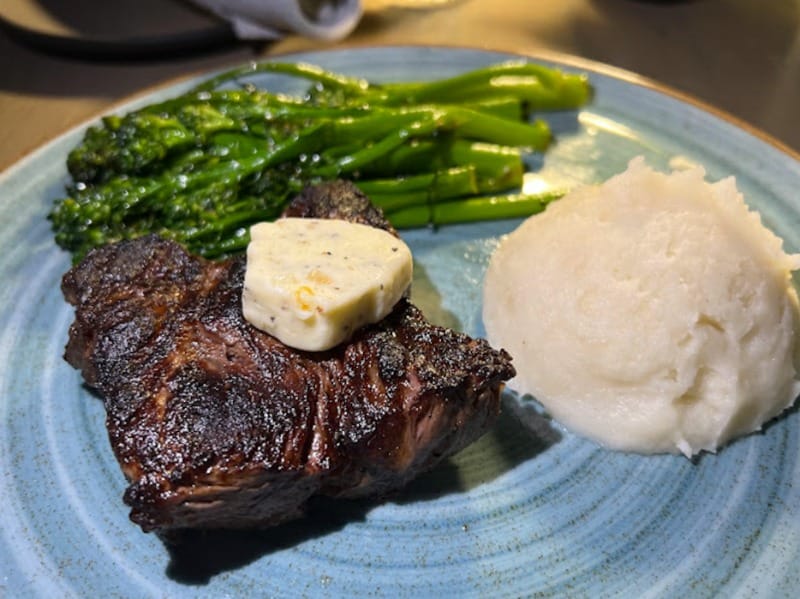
(202, 167)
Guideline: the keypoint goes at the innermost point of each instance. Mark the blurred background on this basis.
(64, 62)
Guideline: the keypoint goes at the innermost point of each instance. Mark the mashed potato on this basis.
(652, 313)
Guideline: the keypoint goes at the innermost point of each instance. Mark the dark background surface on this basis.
(62, 63)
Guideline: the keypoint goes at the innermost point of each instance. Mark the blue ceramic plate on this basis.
(529, 510)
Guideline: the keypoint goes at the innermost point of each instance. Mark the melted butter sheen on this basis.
(313, 282)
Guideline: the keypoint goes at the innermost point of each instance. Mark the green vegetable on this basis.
(472, 209)
(202, 167)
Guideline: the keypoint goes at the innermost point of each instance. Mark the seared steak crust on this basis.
(217, 424)
(337, 199)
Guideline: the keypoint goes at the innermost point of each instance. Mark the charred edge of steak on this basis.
(338, 199)
(219, 425)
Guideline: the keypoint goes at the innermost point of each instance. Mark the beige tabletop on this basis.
(739, 56)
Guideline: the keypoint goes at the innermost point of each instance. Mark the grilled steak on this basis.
(216, 424)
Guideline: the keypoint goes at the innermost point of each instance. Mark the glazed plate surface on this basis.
(529, 510)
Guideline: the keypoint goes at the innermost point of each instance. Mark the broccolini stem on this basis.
(506, 107)
(498, 167)
(392, 194)
(462, 177)
(231, 222)
(472, 210)
(352, 162)
(299, 69)
(531, 80)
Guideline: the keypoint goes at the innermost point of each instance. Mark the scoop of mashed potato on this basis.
(653, 313)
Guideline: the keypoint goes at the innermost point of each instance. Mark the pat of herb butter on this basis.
(313, 282)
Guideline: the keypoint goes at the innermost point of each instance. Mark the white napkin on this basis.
(273, 19)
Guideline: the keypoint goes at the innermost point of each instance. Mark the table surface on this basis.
(739, 56)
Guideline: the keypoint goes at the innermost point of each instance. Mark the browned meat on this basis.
(219, 425)
(337, 199)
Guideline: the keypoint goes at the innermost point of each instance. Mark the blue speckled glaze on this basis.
(529, 510)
